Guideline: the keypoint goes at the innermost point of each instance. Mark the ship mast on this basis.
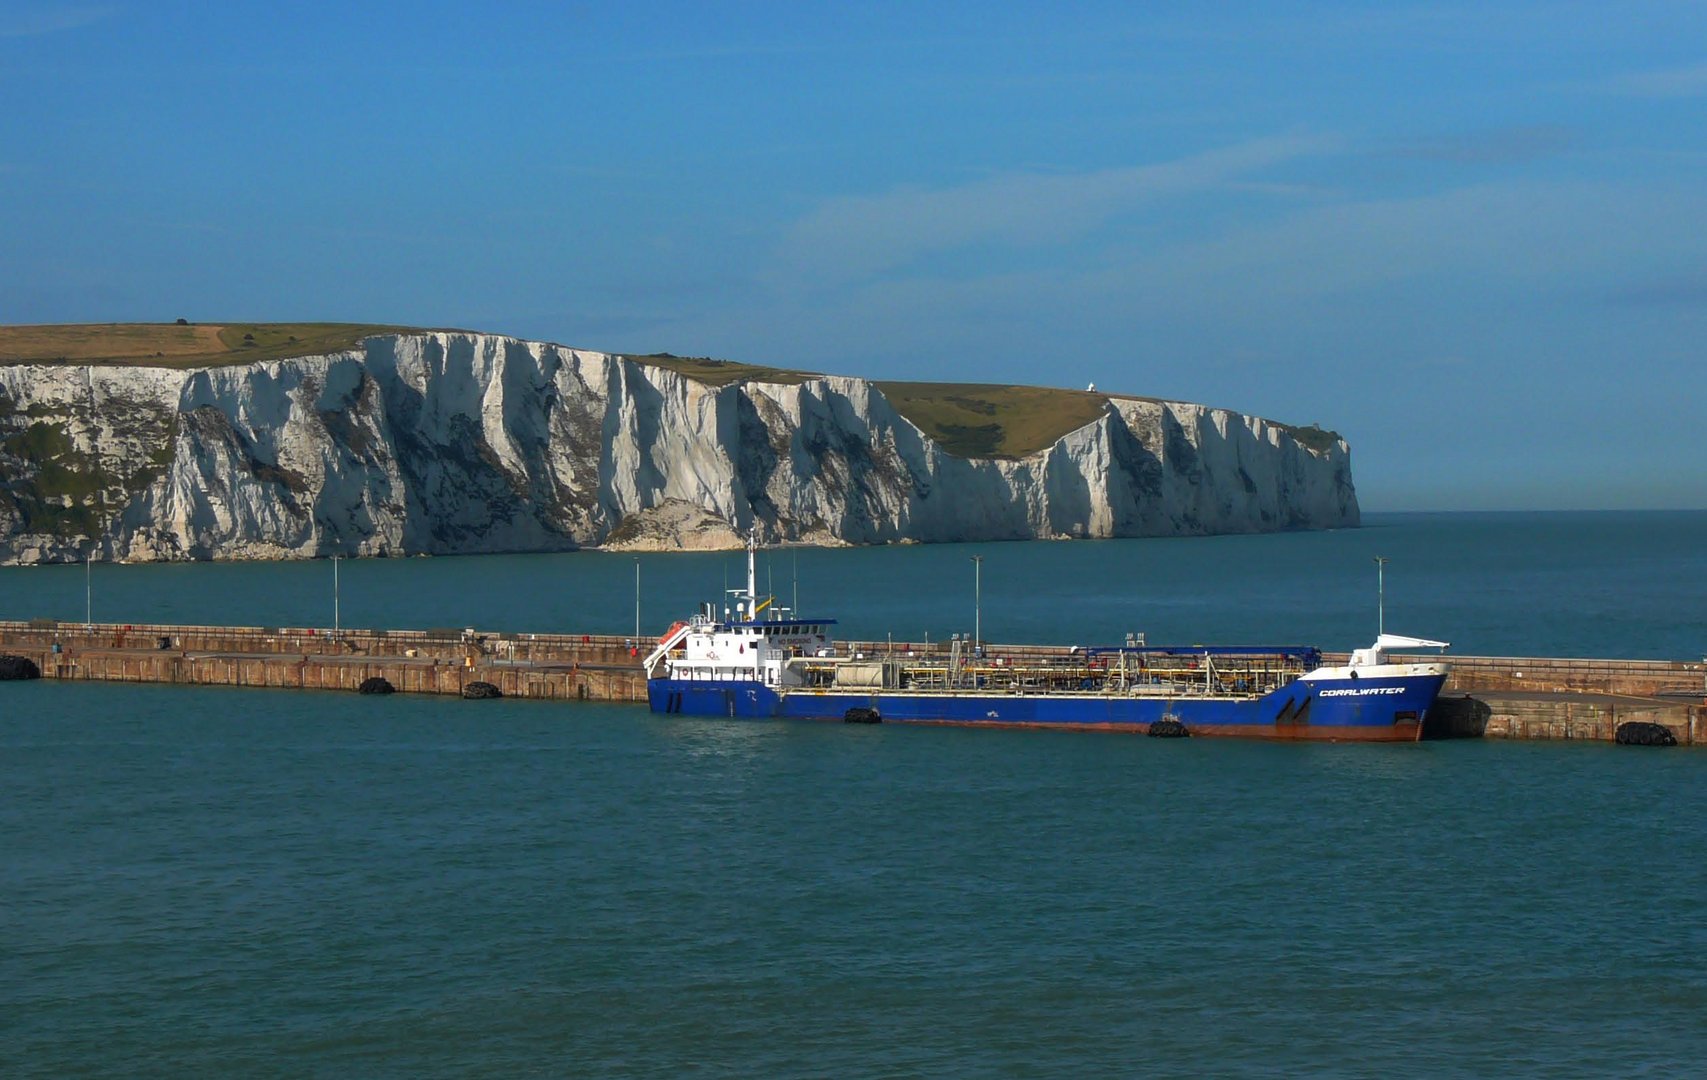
(752, 575)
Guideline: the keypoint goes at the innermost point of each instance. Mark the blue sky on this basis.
(1470, 237)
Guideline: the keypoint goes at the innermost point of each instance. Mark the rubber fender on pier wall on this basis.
(1168, 728)
(1643, 733)
(376, 685)
(860, 715)
(1461, 717)
(18, 667)
(476, 691)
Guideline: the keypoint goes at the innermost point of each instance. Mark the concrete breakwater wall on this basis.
(1499, 714)
(1528, 697)
(1494, 697)
(332, 673)
(579, 667)
(1639, 678)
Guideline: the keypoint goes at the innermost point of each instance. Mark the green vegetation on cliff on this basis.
(703, 369)
(179, 345)
(966, 419)
(1315, 437)
(989, 421)
(47, 483)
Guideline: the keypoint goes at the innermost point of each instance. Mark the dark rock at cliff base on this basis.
(1168, 729)
(1642, 733)
(477, 691)
(18, 667)
(376, 685)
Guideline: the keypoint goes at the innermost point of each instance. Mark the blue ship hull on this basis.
(1364, 710)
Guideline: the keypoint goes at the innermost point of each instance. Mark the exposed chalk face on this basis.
(456, 443)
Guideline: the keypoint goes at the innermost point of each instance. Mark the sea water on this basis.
(244, 882)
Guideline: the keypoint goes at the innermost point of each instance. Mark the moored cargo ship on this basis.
(748, 664)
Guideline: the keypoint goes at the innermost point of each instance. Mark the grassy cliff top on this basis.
(985, 420)
(179, 345)
(703, 369)
(966, 419)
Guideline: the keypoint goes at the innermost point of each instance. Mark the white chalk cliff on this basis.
(454, 443)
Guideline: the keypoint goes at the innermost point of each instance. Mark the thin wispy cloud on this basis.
(1680, 290)
(1432, 24)
(1487, 256)
(1525, 238)
(33, 22)
(1664, 83)
(1493, 146)
(856, 236)
(739, 50)
(729, 51)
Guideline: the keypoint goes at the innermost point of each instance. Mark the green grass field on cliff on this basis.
(982, 420)
(179, 345)
(703, 369)
(966, 419)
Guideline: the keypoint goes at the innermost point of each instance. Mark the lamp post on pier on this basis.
(336, 626)
(89, 590)
(637, 599)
